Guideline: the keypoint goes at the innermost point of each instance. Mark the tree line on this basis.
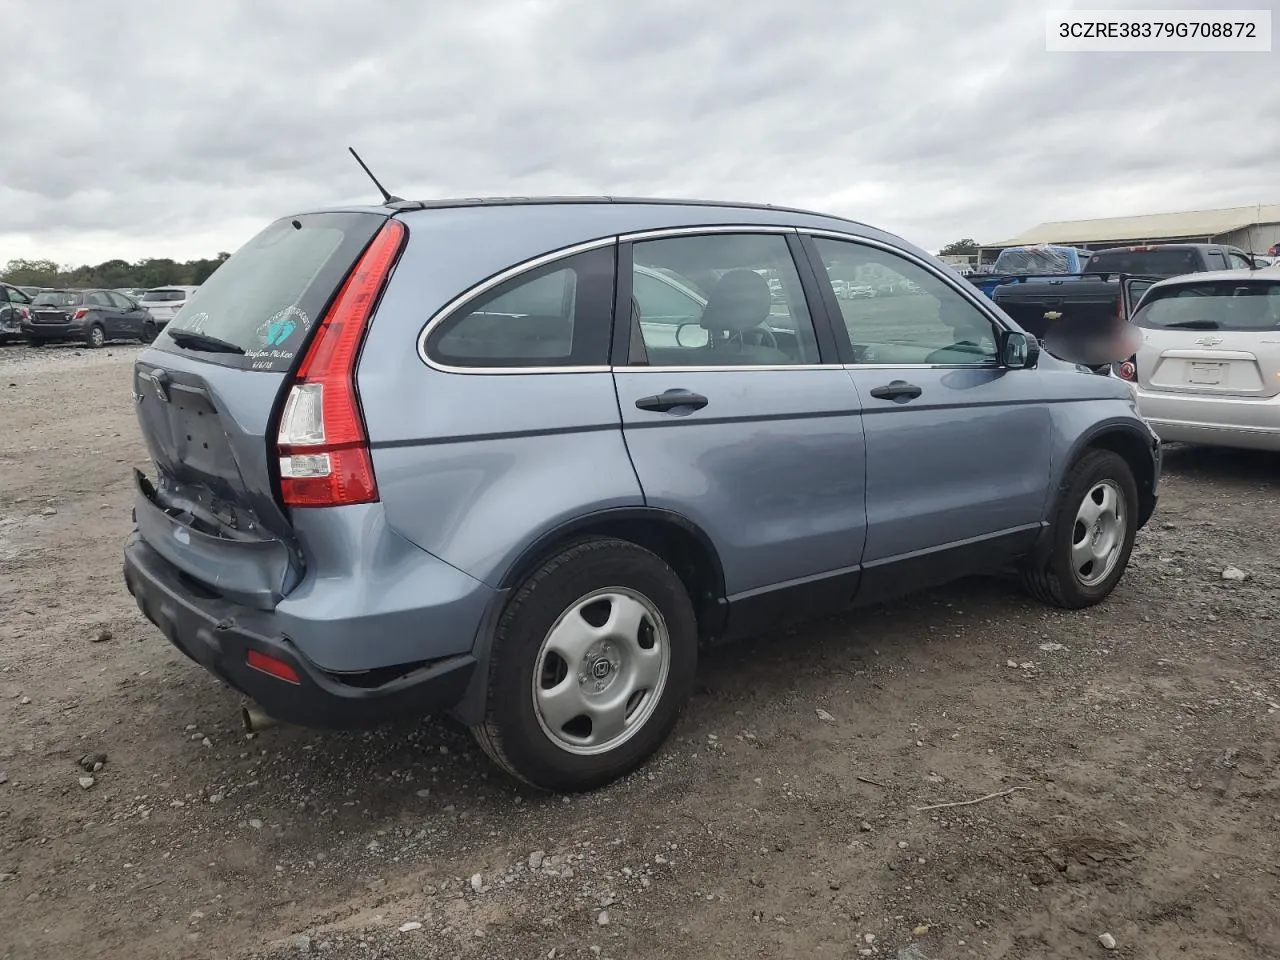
(112, 274)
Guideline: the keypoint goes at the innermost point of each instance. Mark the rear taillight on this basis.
(322, 443)
(1127, 370)
(80, 314)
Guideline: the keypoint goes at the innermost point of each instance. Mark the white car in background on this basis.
(163, 303)
(1208, 367)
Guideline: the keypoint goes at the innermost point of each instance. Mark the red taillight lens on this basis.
(272, 666)
(1127, 370)
(323, 447)
(80, 314)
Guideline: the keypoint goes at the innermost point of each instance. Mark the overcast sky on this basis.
(139, 128)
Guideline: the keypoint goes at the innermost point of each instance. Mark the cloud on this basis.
(154, 129)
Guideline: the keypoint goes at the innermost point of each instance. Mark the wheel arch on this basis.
(679, 541)
(675, 538)
(1132, 441)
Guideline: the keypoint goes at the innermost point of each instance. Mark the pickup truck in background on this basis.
(1038, 260)
(1038, 302)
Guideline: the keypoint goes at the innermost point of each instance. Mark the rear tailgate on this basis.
(1212, 338)
(164, 304)
(208, 407)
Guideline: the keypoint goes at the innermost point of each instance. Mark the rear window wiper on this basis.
(1193, 325)
(189, 339)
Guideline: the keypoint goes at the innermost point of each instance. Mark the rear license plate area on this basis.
(1205, 374)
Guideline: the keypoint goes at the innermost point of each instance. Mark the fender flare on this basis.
(470, 709)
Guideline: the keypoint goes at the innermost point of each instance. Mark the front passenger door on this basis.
(958, 447)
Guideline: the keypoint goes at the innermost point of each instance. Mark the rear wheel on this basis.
(591, 662)
(1092, 534)
(96, 336)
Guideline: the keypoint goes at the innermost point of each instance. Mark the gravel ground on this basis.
(1136, 747)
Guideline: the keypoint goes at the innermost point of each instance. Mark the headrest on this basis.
(739, 301)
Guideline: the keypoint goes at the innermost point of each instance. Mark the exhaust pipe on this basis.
(255, 720)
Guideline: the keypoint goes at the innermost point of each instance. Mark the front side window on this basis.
(722, 300)
(120, 301)
(1238, 262)
(557, 315)
(914, 316)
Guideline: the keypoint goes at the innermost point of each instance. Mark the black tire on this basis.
(1055, 581)
(149, 333)
(95, 337)
(36, 342)
(512, 733)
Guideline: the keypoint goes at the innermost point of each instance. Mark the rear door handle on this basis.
(896, 390)
(670, 400)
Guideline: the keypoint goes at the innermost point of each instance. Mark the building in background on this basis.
(1254, 228)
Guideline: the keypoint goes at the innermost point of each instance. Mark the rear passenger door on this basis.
(99, 301)
(958, 447)
(737, 414)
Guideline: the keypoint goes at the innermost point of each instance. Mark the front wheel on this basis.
(1092, 534)
(591, 662)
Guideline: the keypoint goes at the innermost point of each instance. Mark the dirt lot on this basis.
(1143, 738)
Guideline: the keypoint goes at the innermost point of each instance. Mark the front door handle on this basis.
(670, 400)
(896, 390)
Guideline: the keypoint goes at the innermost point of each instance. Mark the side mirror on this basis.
(1018, 350)
(699, 337)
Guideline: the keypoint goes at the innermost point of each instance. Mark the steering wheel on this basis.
(764, 332)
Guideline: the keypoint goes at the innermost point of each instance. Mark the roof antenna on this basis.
(386, 197)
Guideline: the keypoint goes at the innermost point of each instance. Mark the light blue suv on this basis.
(517, 460)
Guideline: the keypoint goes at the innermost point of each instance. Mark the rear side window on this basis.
(266, 298)
(719, 300)
(557, 315)
(1167, 262)
(1224, 305)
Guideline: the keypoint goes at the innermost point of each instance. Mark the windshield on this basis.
(57, 298)
(1033, 260)
(1223, 305)
(265, 298)
(151, 296)
(1166, 262)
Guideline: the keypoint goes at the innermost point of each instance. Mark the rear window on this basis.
(57, 298)
(1166, 262)
(1224, 305)
(152, 296)
(1038, 260)
(266, 298)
